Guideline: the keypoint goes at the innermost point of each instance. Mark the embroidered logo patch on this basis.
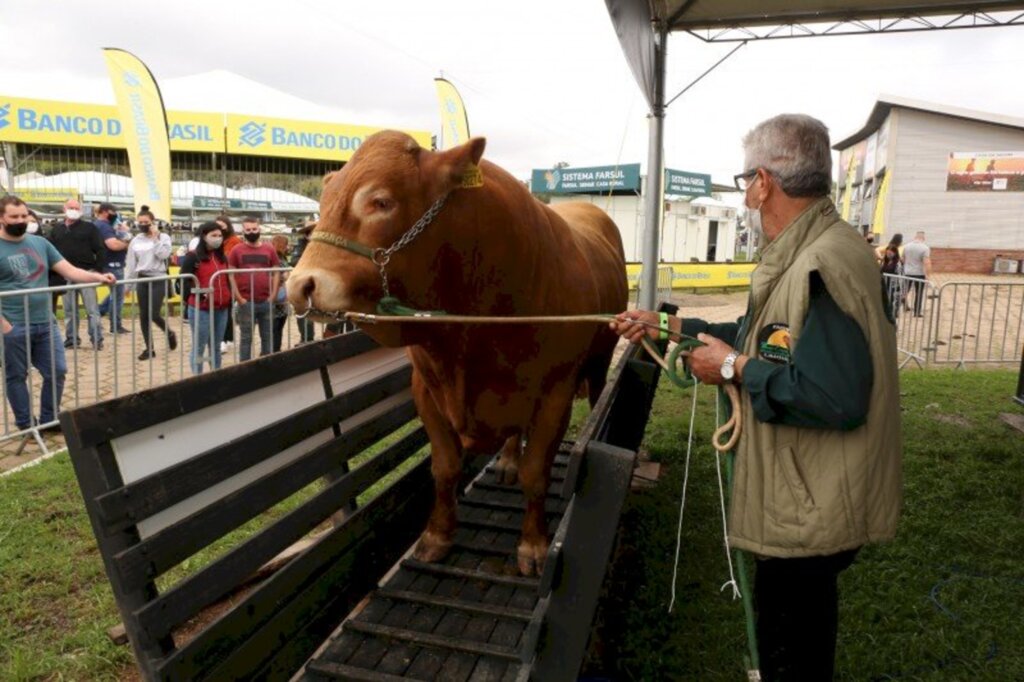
(774, 343)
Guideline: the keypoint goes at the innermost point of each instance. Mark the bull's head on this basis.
(366, 207)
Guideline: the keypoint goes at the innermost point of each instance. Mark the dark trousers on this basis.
(797, 604)
(918, 286)
(151, 301)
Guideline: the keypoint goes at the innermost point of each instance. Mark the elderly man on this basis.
(817, 471)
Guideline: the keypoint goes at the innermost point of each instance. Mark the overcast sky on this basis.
(544, 80)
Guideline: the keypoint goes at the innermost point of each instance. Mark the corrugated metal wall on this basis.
(920, 146)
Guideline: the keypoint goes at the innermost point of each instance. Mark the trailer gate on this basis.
(170, 471)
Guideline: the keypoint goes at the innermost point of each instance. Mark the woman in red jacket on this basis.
(208, 310)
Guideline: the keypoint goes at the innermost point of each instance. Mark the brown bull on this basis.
(489, 250)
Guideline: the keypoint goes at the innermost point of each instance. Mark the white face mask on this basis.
(754, 224)
(73, 214)
(214, 242)
(33, 228)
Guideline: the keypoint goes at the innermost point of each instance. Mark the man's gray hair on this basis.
(795, 148)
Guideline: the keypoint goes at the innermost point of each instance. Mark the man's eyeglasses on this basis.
(743, 180)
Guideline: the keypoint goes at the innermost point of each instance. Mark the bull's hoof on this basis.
(506, 471)
(531, 558)
(432, 547)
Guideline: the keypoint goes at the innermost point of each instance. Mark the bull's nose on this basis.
(300, 288)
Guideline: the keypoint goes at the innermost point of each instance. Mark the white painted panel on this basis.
(364, 368)
(156, 448)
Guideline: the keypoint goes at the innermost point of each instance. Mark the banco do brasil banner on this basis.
(74, 124)
(39, 121)
(300, 139)
(595, 179)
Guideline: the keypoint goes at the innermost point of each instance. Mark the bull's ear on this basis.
(459, 159)
(329, 177)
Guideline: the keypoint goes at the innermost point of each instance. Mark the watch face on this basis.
(728, 371)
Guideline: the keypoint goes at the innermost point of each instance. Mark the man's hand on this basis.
(240, 301)
(706, 361)
(5, 326)
(625, 325)
(106, 278)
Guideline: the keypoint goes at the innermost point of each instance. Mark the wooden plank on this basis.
(427, 664)
(448, 603)
(397, 657)
(164, 550)
(339, 671)
(441, 569)
(97, 473)
(603, 484)
(157, 492)
(457, 667)
(102, 422)
(328, 580)
(208, 584)
(433, 640)
(489, 670)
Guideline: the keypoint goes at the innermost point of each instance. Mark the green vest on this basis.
(805, 492)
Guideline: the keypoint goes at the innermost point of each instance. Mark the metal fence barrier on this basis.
(72, 370)
(957, 323)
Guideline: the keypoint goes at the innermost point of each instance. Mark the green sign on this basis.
(593, 180)
(236, 204)
(683, 183)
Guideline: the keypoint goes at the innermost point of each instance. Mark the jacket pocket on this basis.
(792, 498)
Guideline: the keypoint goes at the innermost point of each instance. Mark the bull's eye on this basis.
(383, 203)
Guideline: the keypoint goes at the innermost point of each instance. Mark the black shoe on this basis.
(120, 330)
(70, 343)
(172, 340)
(98, 347)
(52, 428)
(147, 354)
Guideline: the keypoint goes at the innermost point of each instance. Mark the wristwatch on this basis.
(728, 369)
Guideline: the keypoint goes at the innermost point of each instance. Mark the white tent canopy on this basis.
(96, 186)
(643, 27)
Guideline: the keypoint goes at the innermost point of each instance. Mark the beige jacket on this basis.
(804, 492)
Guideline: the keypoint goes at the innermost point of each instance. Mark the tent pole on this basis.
(653, 207)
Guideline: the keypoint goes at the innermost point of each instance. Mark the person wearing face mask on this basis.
(209, 309)
(81, 243)
(147, 258)
(253, 291)
(116, 242)
(33, 223)
(817, 468)
(30, 332)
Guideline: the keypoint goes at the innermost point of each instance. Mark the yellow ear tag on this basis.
(472, 177)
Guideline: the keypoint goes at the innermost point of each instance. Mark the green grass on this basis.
(962, 537)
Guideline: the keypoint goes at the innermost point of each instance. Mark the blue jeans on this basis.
(40, 345)
(248, 317)
(116, 297)
(199, 321)
(92, 311)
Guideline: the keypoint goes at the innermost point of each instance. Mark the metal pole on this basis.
(655, 177)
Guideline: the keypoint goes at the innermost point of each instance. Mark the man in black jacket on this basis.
(80, 242)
